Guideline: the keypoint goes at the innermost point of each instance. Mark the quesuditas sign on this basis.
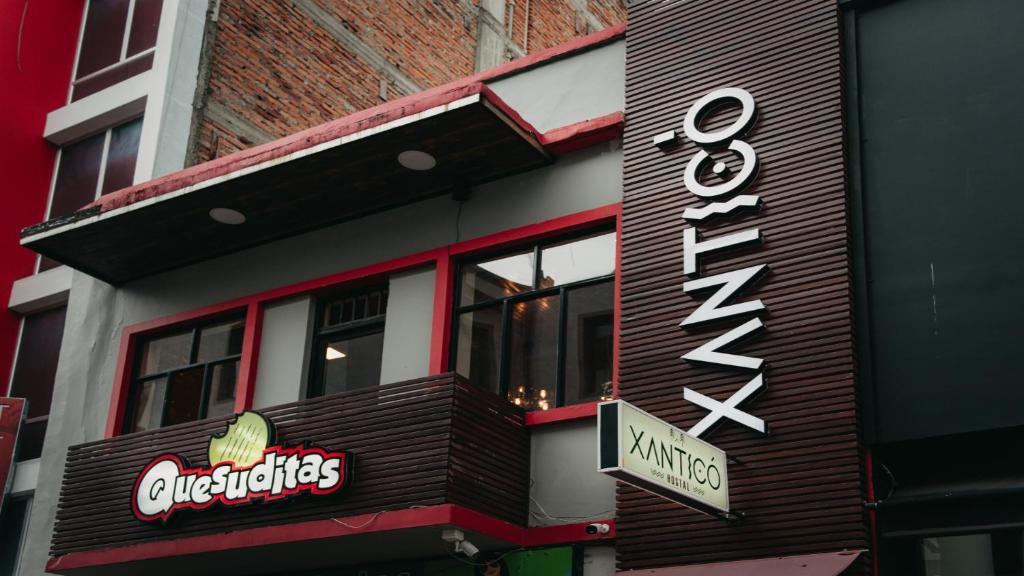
(649, 453)
(245, 466)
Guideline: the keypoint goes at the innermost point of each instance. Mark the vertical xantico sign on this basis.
(724, 198)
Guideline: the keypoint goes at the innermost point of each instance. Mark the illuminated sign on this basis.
(245, 467)
(647, 452)
(725, 286)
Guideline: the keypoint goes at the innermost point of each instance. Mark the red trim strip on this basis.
(580, 135)
(440, 334)
(869, 471)
(563, 414)
(444, 514)
(245, 388)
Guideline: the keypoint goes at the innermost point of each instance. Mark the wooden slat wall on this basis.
(800, 486)
(418, 443)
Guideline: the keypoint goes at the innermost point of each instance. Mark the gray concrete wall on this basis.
(566, 486)
(599, 561)
(97, 312)
(586, 86)
(283, 362)
(407, 326)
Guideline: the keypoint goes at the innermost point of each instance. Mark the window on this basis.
(349, 343)
(91, 168)
(117, 43)
(185, 375)
(34, 372)
(13, 520)
(536, 325)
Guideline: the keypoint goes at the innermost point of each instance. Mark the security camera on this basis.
(462, 545)
(467, 548)
(598, 528)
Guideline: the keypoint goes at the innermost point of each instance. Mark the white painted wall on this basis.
(588, 85)
(566, 486)
(283, 363)
(407, 326)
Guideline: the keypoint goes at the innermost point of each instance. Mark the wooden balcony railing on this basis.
(437, 440)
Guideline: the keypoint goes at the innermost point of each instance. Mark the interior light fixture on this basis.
(227, 216)
(417, 160)
(334, 353)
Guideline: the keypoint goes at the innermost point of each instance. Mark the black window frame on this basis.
(504, 355)
(324, 334)
(135, 384)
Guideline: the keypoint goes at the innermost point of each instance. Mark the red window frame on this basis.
(442, 258)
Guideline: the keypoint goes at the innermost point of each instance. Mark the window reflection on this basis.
(498, 278)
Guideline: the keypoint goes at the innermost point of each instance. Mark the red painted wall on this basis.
(34, 73)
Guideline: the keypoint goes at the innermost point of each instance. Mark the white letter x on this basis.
(726, 409)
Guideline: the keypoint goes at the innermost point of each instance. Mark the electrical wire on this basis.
(373, 518)
(544, 513)
(363, 525)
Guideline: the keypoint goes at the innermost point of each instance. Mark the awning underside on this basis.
(474, 138)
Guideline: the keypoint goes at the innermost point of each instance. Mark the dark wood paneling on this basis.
(800, 486)
(418, 443)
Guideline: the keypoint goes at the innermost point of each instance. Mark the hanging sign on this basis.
(245, 466)
(649, 453)
(12, 413)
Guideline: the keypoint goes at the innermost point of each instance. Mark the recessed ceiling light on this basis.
(417, 160)
(334, 353)
(227, 216)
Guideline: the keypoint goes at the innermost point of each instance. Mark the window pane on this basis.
(162, 354)
(578, 260)
(588, 343)
(223, 378)
(353, 363)
(102, 36)
(184, 391)
(958, 555)
(145, 24)
(12, 525)
(497, 278)
(479, 347)
(221, 340)
(111, 76)
(30, 439)
(124, 146)
(149, 404)
(533, 359)
(77, 174)
(361, 307)
(36, 366)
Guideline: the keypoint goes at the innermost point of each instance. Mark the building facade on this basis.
(374, 327)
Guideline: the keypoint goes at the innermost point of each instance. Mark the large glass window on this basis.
(187, 374)
(536, 324)
(34, 373)
(349, 344)
(93, 167)
(117, 43)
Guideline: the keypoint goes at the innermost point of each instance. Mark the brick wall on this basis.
(272, 68)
